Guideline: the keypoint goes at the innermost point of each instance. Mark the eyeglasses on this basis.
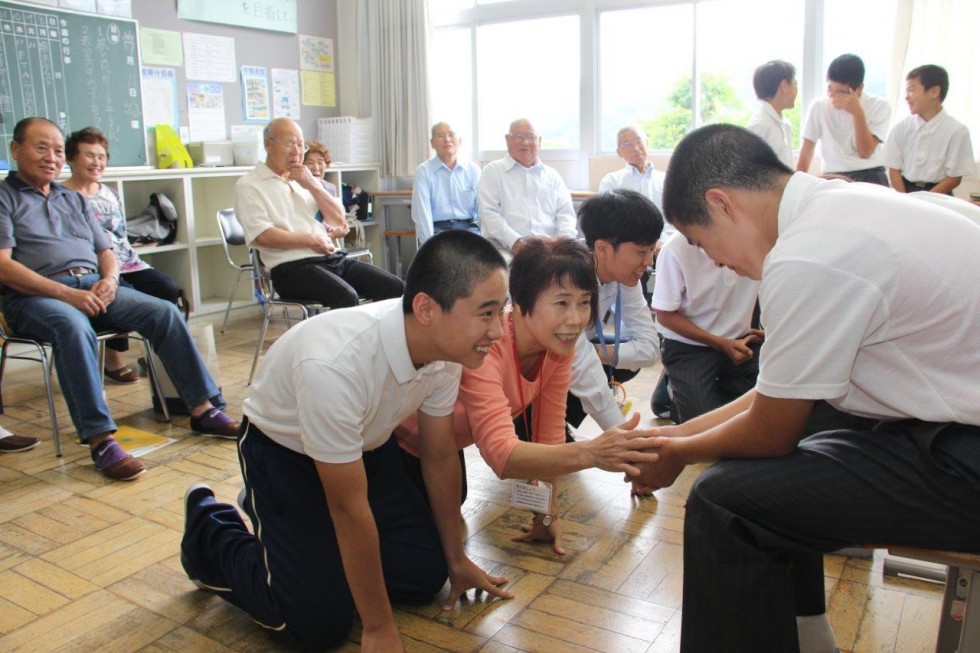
(626, 145)
(293, 145)
(525, 138)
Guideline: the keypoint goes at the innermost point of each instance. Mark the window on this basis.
(764, 30)
(529, 69)
(451, 90)
(863, 28)
(645, 72)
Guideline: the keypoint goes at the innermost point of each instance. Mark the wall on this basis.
(252, 47)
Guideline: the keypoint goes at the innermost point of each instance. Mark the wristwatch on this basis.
(547, 519)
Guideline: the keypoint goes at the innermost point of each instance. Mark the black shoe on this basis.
(568, 434)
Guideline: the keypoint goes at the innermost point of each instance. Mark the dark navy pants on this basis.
(289, 576)
(755, 530)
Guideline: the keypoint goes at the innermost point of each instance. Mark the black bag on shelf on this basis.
(156, 224)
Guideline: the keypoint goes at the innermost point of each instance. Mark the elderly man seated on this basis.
(520, 196)
(60, 283)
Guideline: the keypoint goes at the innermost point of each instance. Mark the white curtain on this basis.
(393, 38)
(942, 32)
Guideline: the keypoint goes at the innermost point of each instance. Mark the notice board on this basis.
(76, 70)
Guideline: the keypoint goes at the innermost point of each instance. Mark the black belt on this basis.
(73, 272)
(454, 220)
(913, 186)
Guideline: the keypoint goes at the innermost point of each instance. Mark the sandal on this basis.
(124, 375)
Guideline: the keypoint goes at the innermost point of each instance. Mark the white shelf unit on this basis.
(196, 259)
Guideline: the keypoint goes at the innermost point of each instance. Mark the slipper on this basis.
(124, 375)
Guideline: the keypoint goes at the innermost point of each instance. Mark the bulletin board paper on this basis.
(210, 58)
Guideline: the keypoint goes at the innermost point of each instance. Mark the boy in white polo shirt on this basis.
(338, 524)
(850, 124)
(929, 150)
(704, 313)
(775, 86)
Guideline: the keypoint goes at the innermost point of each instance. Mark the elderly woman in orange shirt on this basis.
(525, 378)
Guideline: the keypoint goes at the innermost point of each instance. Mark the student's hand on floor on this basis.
(641, 490)
(86, 301)
(535, 531)
(467, 575)
(382, 640)
(617, 449)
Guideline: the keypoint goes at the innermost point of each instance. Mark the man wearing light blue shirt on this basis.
(444, 192)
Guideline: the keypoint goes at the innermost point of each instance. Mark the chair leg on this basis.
(154, 379)
(231, 297)
(258, 346)
(46, 372)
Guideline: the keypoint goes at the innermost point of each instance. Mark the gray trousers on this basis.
(703, 379)
(755, 530)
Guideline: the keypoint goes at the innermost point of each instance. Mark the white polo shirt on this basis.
(870, 300)
(638, 348)
(713, 298)
(516, 201)
(338, 384)
(775, 130)
(649, 183)
(930, 151)
(263, 199)
(834, 129)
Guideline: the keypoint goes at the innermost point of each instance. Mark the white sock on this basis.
(816, 635)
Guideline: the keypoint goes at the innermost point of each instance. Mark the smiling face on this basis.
(523, 143)
(558, 317)
(464, 333)
(88, 164)
(316, 163)
(625, 264)
(41, 155)
(923, 102)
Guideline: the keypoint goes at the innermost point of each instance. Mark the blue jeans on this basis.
(76, 352)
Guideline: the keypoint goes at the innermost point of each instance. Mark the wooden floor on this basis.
(91, 565)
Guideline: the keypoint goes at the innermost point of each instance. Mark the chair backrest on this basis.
(231, 233)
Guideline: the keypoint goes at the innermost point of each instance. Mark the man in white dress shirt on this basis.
(775, 86)
(520, 196)
(444, 191)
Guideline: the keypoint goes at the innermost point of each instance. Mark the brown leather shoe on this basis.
(125, 375)
(15, 443)
(113, 461)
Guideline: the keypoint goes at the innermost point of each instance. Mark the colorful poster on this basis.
(255, 93)
(206, 111)
(285, 93)
(315, 53)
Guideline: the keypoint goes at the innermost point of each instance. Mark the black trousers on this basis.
(755, 530)
(289, 576)
(703, 378)
(869, 175)
(335, 281)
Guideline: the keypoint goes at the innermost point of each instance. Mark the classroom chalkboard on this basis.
(74, 69)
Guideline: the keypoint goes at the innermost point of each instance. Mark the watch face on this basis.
(546, 520)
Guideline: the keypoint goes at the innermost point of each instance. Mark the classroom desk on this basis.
(385, 199)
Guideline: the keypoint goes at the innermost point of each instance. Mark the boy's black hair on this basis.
(931, 75)
(449, 266)
(620, 216)
(846, 69)
(769, 76)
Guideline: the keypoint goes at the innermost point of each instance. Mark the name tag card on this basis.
(531, 495)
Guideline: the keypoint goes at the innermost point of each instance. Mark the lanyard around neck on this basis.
(520, 377)
(618, 310)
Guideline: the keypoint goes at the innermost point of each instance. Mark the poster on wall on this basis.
(206, 111)
(274, 15)
(161, 47)
(210, 58)
(285, 93)
(315, 53)
(319, 89)
(160, 97)
(255, 94)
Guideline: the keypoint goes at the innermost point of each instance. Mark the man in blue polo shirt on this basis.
(60, 283)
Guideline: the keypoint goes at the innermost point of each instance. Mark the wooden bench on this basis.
(959, 624)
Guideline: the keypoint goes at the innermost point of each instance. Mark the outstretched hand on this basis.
(467, 575)
(621, 447)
